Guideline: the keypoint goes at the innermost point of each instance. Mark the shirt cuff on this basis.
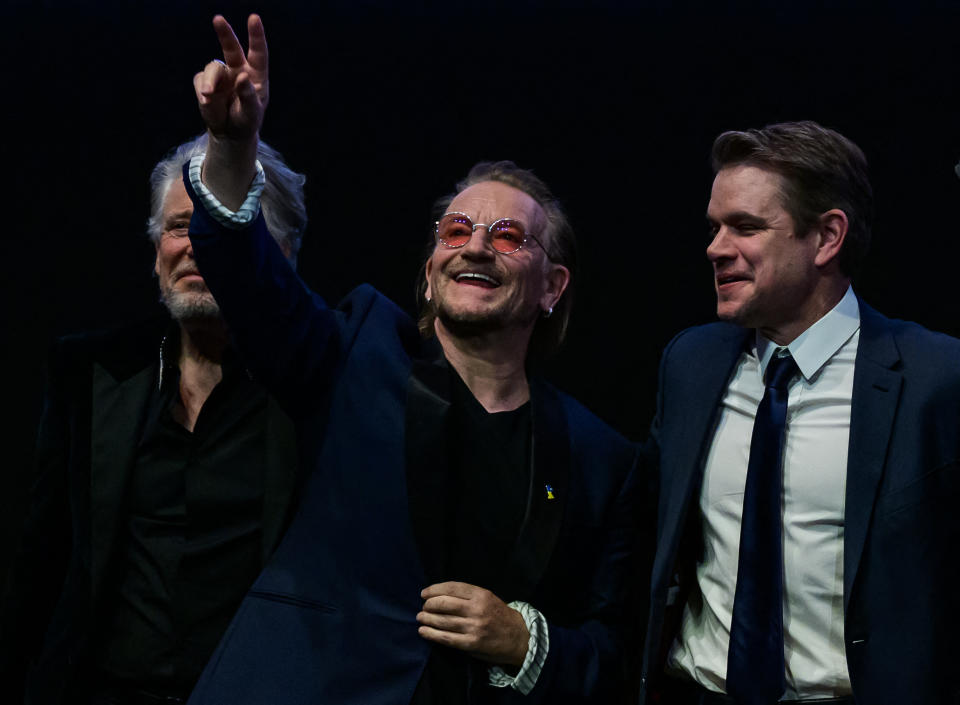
(537, 649)
(235, 220)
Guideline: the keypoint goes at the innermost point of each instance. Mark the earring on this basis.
(548, 312)
(428, 299)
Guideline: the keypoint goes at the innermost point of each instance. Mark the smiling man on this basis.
(466, 532)
(165, 476)
(809, 454)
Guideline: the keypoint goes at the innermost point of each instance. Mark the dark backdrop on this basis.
(385, 104)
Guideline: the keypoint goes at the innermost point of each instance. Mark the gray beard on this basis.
(190, 305)
(471, 326)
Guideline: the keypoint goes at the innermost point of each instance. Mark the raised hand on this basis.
(233, 93)
(473, 619)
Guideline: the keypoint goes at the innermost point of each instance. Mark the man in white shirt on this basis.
(806, 524)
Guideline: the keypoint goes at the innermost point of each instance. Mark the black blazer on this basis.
(332, 619)
(901, 525)
(93, 416)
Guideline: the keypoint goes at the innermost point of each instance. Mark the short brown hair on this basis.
(821, 169)
(557, 237)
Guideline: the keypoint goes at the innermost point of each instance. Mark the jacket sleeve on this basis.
(287, 336)
(36, 577)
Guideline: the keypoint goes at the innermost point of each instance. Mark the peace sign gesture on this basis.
(233, 93)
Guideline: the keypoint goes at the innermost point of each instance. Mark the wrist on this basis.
(232, 152)
(229, 167)
(520, 643)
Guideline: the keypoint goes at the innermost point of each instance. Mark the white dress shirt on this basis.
(814, 481)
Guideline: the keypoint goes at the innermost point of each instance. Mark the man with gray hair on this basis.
(164, 480)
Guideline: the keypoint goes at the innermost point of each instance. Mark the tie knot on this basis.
(780, 371)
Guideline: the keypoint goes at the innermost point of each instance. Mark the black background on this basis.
(384, 105)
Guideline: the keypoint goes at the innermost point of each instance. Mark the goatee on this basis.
(190, 305)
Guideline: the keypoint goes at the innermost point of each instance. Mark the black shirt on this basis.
(190, 543)
(488, 492)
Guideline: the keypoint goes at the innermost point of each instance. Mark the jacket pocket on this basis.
(294, 600)
(938, 487)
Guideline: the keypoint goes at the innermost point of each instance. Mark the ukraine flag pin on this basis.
(549, 489)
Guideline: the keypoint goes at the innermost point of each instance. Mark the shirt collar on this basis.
(818, 343)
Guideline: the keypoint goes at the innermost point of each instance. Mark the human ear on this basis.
(831, 233)
(557, 279)
(428, 294)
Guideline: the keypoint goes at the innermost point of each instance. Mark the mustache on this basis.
(184, 271)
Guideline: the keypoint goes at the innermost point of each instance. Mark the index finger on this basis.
(232, 51)
(462, 590)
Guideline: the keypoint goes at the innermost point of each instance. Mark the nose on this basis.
(720, 247)
(479, 244)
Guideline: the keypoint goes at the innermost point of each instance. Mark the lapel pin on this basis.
(549, 489)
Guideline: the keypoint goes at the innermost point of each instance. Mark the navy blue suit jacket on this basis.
(901, 523)
(332, 617)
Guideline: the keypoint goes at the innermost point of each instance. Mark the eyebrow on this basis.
(739, 217)
(179, 215)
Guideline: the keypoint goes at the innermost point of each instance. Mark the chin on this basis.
(469, 321)
(733, 314)
(468, 325)
(190, 306)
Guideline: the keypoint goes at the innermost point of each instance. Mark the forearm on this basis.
(285, 334)
(229, 168)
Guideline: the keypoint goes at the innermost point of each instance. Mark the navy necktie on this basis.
(755, 667)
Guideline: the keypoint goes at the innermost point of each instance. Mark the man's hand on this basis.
(472, 619)
(233, 93)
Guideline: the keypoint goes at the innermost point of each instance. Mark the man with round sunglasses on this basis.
(466, 532)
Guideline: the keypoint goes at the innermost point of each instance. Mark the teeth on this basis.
(478, 277)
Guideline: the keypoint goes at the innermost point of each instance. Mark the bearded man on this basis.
(164, 479)
(466, 530)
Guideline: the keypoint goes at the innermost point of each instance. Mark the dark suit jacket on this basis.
(93, 416)
(901, 525)
(332, 617)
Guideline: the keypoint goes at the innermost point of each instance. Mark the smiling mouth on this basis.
(723, 279)
(477, 279)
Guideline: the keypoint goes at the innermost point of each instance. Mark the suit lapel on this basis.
(876, 392)
(548, 489)
(696, 395)
(428, 403)
(280, 476)
(117, 414)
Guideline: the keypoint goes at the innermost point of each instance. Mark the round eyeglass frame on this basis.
(474, 226)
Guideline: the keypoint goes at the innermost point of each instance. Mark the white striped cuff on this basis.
(537, 649)
(235, 220)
